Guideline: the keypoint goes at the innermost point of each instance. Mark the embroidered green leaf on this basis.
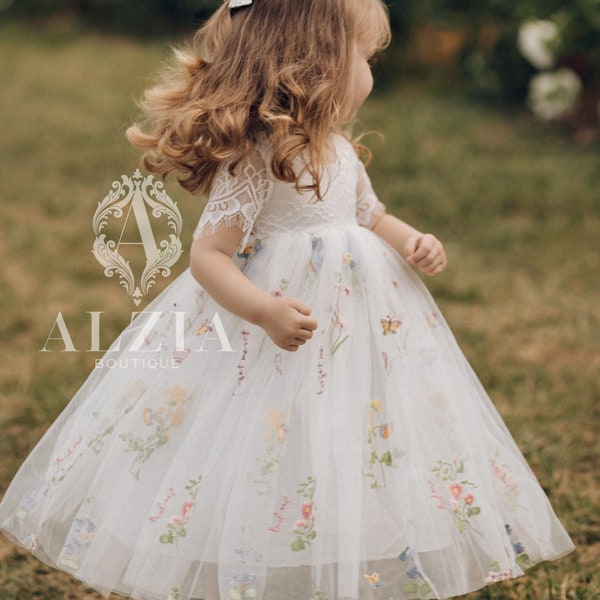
(298, 545)
(424, 589)
(410, 587)
(473, 510)
(523, 560)
(386, 459)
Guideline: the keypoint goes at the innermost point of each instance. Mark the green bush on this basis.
(138, 17)
(498, 71)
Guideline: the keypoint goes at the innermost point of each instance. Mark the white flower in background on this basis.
(538, 42)
(551, 95)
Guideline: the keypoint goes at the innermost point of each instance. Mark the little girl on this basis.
(317, 433)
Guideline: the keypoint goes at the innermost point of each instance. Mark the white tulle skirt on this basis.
(199, 460)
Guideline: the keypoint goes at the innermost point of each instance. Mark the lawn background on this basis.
(517, 205)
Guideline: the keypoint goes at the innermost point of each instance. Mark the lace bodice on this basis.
(258, 203)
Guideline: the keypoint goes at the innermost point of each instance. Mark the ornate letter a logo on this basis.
(133, 196)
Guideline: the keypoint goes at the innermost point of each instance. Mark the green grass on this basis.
(517, 206)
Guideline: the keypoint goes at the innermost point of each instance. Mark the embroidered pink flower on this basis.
(495, 576)
(187, 506)
(469, 499)
(455, 490)
(307, 510)
(300, 524)
(175, 519)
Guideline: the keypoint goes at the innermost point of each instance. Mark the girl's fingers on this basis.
(436, 267)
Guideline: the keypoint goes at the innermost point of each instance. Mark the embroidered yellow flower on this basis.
(374, 580)
(274, 420)
(175, 394)
(177, 416)
(376, 405)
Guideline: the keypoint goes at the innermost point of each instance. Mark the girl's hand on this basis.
(426, 253)
(286, 322)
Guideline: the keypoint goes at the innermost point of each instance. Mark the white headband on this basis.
(238, 3)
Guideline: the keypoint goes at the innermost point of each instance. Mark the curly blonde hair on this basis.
(283, 68)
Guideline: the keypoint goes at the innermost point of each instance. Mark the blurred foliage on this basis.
(137, 17)
(497, 70)
(490, 64)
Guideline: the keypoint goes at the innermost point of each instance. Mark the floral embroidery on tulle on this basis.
(377, 430)
(457, 494)
(495, 574)
(304, 528)
(416, 583)
(279, 516)
(506, 482)
(374, 580)
(275, 439)
(175, 594)
(241, 586)
(176, 526)
(337, 330)
(252, 249)
(321, 373)
(241, 365)
(521, 556)
(82, 532)
(388, 363)
(162, 506)
(337, 324)
(125, 404)
(356, 277)
(161, 338)
(316, 259)
(162, 420)
(242, 581)
(432, 319)
(283, 284)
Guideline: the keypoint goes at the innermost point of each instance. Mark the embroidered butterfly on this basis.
(390, 325)
(203, 327)
(374, 580)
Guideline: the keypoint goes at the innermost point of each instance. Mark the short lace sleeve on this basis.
(368, 207)
(236, 199)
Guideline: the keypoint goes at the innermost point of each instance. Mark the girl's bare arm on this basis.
(423, 250)
(284, 319)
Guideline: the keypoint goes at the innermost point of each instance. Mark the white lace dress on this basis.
(208, 463)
